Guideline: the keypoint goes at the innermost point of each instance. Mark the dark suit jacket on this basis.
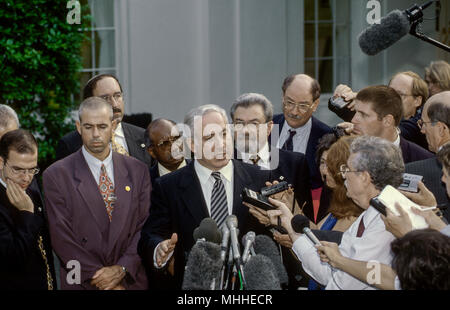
(154, 171)
(293, 167)
(178, 206)
(431, 170)
(412, 152)
(317, 131)
(134, 136)
(79, 226)
(411, 131)
(23, 267)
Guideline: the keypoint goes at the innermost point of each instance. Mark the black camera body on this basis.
(340, 107)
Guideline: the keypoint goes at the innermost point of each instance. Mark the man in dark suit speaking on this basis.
(210, 186)
(127, 139)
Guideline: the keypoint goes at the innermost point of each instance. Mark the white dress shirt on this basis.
(374, 245)
(207, 183)
(300, 140)
(163, 170)
(264, 157)
(119, 137)
(95, 165)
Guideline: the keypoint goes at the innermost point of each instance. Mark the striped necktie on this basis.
(219, 204)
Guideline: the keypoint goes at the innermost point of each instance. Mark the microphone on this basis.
(208, 231)
(391, 29)
(300, 224)
(232, 223)
(225, 243)
(261, 274)
(247, 242)
(265, 246)
(203, 267)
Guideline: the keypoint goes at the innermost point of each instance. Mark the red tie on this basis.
(106, 188)
(360, 228)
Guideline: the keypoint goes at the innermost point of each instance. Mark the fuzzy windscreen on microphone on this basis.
(264, 245)
(203, 267)
(379, 37)
(260, 274)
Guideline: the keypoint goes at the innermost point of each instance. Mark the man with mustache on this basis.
(97, 202)
(127, 139)
(299, 131)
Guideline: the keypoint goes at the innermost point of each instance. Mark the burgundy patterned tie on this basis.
(106, 188)
(361, 228)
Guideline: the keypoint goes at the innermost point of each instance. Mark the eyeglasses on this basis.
(301, 106)
(168, 143)
(117, 96)
(22, 171)
(421, 123)
(344, 169)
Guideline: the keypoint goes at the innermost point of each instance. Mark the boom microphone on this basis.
(300, 224)
(261, 274)
(391, 29)
(203, 267)
(264, 245)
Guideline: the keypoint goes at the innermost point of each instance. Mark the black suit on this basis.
(431, 170)
(318, 130)
(134, 136)
(411, 131)
(178, 206)
(23, 267)
(412, 152)
(154, 171)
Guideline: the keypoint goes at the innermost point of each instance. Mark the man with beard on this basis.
(127, 139)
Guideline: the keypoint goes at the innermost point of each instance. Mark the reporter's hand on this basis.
(258, 213)
(432, 219)
(347, 94)
(287, 197)
(165, 248)
(423, 198)
(348, 127)
(284, 240)
(329, 253)
(397, 225)
(18, 197)
(107, 278)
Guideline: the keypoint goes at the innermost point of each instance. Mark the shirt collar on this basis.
(298, 130)
(119, 131)
(3, 183)
(163, 170)
(263, 154)
(397, 141)
(204, 173)
(95, 163)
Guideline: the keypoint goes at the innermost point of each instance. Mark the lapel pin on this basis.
(143, 145)
(127, 188)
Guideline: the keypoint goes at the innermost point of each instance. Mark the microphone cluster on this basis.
(215, 261)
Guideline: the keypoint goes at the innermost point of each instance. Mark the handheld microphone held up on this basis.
(247, 242)
(300, 224)
(232, 223)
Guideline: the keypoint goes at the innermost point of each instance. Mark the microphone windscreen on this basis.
(208, 230)
(260, 274)
(379, 37)
(299, 222)
(203, 267)
(264, 245)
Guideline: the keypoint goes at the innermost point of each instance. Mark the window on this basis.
(99, 51)
(327, 42)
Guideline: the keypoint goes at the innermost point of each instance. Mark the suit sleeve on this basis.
(302, 186)
(158, 226)
(17, 243)
(130, 259)
(64, 242)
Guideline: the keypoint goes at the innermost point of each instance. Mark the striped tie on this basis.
(219, 205)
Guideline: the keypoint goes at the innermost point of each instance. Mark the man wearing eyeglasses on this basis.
(435, 124)
(127, 139)
(165, 145)
(26, 255)
(299, 131)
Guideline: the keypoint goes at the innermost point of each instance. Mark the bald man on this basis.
(435, 124)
